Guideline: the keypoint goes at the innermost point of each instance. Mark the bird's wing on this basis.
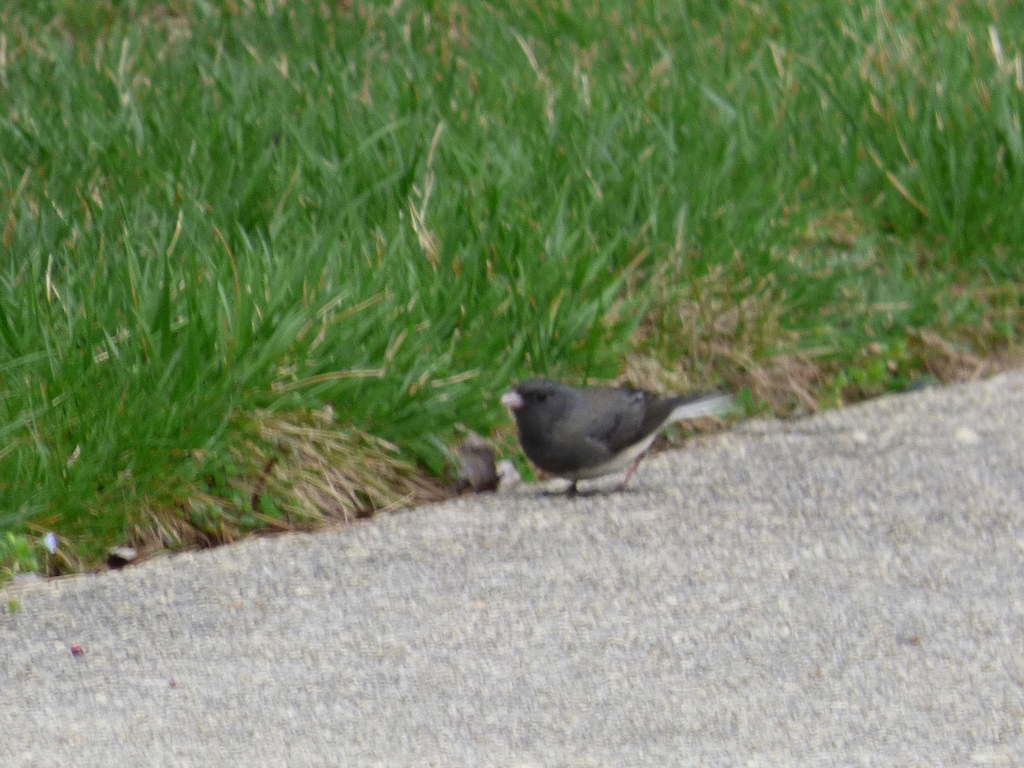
(621, 417)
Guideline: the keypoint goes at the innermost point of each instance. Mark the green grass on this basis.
(233, 229)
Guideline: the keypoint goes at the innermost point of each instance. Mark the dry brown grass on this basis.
(339, 474)
(302, 470)
(950, 362)
(719, 327)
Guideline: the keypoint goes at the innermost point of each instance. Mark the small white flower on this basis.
(50, 542)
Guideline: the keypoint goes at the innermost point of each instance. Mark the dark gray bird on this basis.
(583, 433)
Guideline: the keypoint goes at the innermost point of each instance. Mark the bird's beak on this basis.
(512, 400)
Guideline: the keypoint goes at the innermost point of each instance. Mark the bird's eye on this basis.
(542, 396)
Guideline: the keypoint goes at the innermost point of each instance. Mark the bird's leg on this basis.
(631, 472)
(573, 490)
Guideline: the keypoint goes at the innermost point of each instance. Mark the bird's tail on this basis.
(706, 404)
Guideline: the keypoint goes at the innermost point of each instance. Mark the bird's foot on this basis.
(632, 471)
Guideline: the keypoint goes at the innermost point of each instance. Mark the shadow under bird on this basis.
(580, 434)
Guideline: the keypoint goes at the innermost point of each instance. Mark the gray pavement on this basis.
(842, 590)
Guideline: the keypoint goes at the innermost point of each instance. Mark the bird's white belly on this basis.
(618, 463)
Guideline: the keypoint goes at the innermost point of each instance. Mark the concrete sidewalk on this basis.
(844, 590)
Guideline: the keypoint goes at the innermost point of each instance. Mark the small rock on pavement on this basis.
(967, 436)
